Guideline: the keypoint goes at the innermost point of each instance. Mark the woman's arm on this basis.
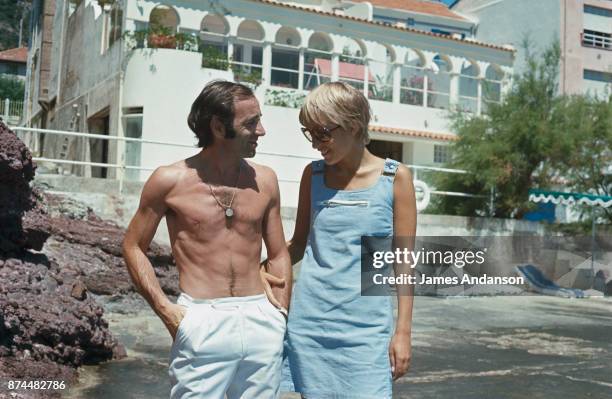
(297, 244)
(404, 226)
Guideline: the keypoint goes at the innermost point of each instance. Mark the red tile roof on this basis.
(423, 7)
(19, 54)
(405, 29)
(413, 133)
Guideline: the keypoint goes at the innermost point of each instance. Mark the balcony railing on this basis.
(11, 111)
(418, 86)
(597, 40)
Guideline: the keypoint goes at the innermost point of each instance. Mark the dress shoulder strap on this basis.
(391, 166)
(318, 167)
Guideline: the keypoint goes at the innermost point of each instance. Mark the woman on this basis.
(341, 344)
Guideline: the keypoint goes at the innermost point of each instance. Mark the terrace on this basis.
(295, 60)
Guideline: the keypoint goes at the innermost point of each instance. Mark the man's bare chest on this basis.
(206, 207)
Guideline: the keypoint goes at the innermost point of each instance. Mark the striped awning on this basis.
(557, 197)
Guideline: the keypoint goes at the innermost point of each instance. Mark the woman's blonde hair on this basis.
(339, 103)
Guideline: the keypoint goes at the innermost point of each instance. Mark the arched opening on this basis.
(491, 90)
(438, 83)
(285, 71)
(412, 79)
(468, 87)
(163, 19)
(380, 68)
(351, 66)
(214, 30)
(163, 25)
(247, 56)
(317, 60)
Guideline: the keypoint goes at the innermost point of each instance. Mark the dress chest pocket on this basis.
(334, 203)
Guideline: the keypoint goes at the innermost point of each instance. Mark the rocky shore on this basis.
(58, 262)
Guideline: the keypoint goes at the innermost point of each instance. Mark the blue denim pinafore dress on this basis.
(338, 340)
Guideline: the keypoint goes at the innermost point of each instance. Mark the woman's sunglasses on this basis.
(323, 135)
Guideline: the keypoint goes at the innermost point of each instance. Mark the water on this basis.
(502, 347)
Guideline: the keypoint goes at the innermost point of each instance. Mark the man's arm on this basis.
(404, 226)
(137, 239)
(278, 263)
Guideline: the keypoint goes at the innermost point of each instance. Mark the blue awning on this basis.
(558, 197)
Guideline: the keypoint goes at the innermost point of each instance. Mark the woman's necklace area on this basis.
(229, 211)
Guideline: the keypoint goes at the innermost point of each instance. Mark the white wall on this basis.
(165, 83)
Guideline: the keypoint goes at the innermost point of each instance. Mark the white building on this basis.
(414, 60)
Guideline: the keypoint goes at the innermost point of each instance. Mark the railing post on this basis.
(121, 168)
(6, 110)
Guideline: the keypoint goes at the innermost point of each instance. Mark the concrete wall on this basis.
(109, 202)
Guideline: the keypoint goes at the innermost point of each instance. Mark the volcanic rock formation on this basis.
(56, 256)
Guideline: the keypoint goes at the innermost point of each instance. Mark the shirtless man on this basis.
(228, 337)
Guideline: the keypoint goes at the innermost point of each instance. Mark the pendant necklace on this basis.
(229, 211)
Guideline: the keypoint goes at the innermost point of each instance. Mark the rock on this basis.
(49, 324)
(16, 197)
(79, 290)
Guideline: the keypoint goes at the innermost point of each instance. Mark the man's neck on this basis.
(220, 166)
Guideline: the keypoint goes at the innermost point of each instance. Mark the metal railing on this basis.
(32, 137)
(596, 40)
(11, 111)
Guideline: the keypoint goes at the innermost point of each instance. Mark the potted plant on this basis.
(161, 37)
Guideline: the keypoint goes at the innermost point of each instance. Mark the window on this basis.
(351, 65)
(491, 89)
(381, 73)
(386, 149)
(597, 83)
(112, 28)
(412, 80)
(116, 21)
(438, 83)
(440, 31)
(213, 33)
(248, 53)
(442, 154)
(468, 87)
(133, 128)
(213, 42)
(591, 38)
(286, 59)
(317, 61)
(598, 11)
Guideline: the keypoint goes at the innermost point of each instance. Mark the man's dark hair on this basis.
(216, 99)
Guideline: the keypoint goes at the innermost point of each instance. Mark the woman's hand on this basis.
(400, 353)
(268, 281)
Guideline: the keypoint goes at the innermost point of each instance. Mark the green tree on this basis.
(584, 154)
(506, 151)
(14, 13)
(11, 88)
